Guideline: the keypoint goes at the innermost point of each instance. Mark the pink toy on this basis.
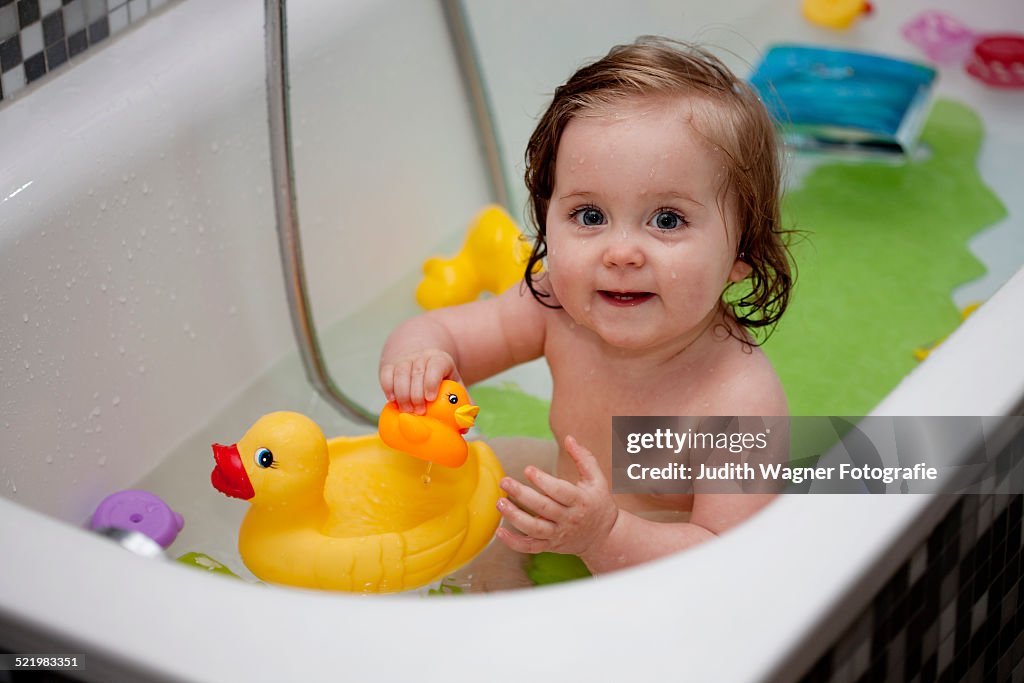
(941, 37)
(996, 60)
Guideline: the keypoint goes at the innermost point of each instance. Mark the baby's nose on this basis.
(623, 251)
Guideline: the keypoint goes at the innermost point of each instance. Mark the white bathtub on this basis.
(141, 297)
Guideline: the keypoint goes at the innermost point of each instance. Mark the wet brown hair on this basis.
(733, 121)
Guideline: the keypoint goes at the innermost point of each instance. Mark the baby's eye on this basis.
(588, 216)
(668, 220)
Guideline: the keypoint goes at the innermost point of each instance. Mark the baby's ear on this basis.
(740, 271)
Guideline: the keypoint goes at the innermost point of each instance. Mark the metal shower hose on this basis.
(282, 171)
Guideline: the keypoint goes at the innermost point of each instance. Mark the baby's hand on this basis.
(413, 380)
(566, 517)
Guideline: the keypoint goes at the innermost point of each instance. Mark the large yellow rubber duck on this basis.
(436, 436)
(493, 258)
(351, 514)
(835, 13)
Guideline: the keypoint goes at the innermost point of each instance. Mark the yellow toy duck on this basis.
(837, 14)
(493, 258)
(436, 436)
(349, 513)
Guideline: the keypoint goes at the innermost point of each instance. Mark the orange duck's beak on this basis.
(465, 417)
(229, 476)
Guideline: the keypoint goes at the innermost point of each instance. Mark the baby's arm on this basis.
(466, 343)
(583, 518)
(634, 540)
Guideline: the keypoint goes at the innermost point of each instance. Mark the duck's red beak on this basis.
(229, 475)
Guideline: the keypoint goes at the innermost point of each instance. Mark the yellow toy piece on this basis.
(492, 259)
(351, 514)
(834, 13)
(923, 352)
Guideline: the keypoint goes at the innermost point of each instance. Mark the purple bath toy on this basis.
(137, 510)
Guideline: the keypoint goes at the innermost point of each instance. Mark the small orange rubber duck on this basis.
(436, 436)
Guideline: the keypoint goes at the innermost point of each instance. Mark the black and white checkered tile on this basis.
(38, 36)
(954, 611)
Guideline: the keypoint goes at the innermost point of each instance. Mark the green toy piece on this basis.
(447, 587)
(206, 563)
(545, 568)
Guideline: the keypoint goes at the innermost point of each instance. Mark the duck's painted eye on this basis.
(453, 399)
(264, 458)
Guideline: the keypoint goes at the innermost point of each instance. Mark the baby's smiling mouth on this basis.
(625, 298)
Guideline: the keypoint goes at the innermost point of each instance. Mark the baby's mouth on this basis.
(625, 298)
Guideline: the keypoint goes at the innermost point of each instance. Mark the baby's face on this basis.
(639, 251)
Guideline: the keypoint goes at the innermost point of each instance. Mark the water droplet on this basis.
(49, 460)
(102, 461)
(116, 401)
(25, 317)
(214, 147)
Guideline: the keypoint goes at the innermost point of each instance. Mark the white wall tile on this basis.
(31, 40)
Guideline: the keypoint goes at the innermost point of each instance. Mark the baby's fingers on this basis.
(535, 527)
(520, 543)
(387, 381)
(438, 367)
(586, 463)
(409, 385)
(557, 489)
(528, 498)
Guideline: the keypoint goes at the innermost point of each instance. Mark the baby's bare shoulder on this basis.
(748, 384)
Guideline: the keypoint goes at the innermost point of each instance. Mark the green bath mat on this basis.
(887, 245)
